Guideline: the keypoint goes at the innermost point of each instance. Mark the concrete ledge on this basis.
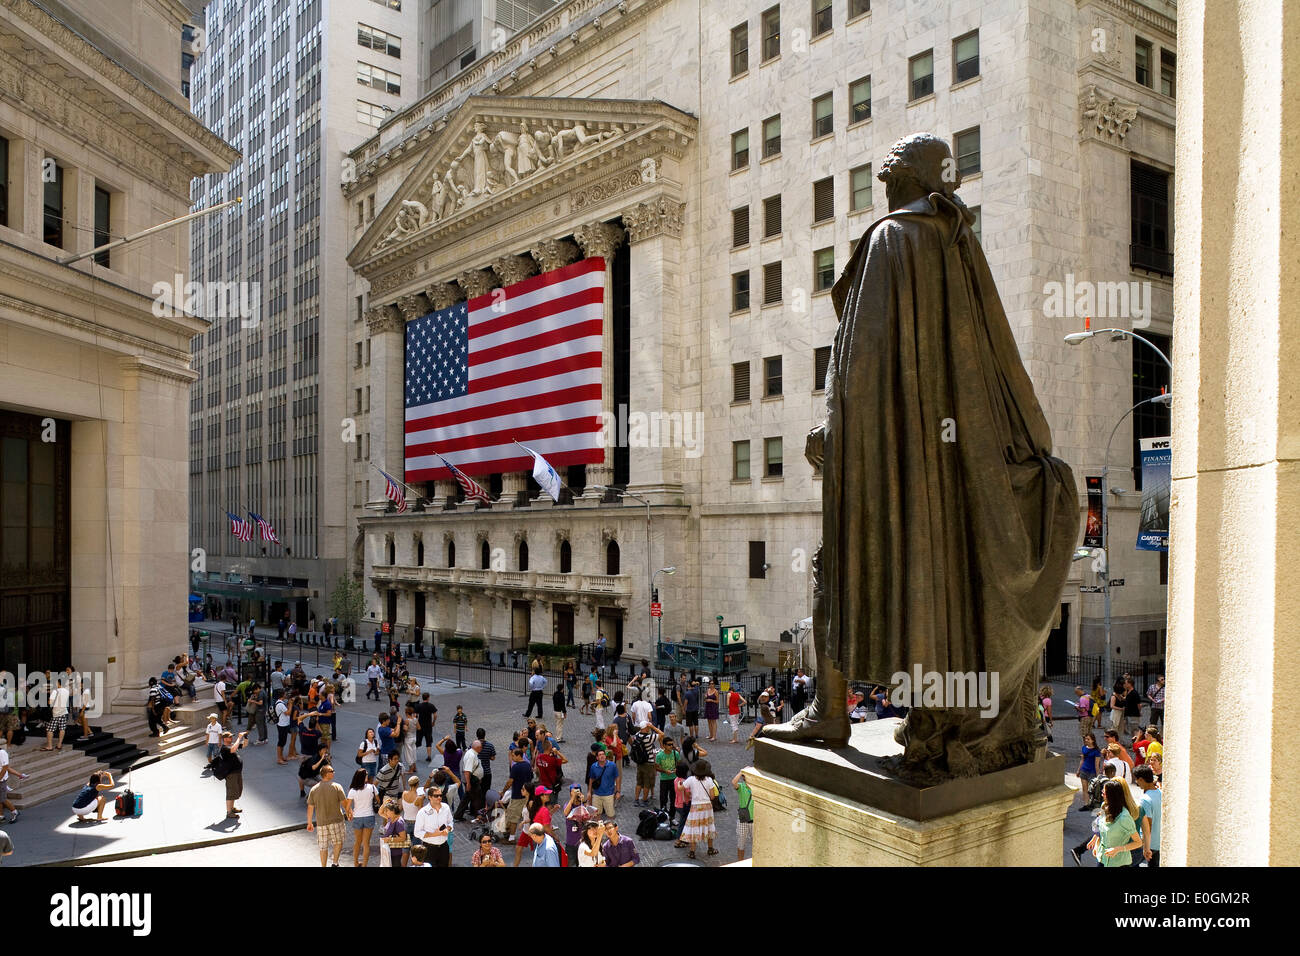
(154, 851)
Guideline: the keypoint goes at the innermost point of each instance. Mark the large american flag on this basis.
(520, 363)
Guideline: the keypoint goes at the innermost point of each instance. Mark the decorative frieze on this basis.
(607, 188)
(659, 216)
(391, 280)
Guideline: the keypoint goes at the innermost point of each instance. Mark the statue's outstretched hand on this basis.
(812, 449)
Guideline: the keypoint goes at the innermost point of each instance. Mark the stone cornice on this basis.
(189, 137)
(1133, 11)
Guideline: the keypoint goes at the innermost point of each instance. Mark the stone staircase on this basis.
(118, 742)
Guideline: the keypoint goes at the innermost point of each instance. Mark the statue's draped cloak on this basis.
(948, 527)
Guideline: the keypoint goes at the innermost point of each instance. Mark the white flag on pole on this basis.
(544, 474)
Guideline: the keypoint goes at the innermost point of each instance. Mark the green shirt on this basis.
(666, 761)
(744, 797)
(1118, 833)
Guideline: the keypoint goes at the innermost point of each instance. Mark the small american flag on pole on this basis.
(522, 363)
(268, 531)
(394, 492)
(473, 490)
(241, 529)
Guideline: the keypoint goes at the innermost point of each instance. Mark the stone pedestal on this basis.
(818, 807)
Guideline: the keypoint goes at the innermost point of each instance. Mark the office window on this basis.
(772, 283)
(758, 559)
(823, 115)
(823, 269)
(740, 149)
(357, 364)
(772, 455)
(1142, 60)
(858, 7)
(53, 203)
(566, 557)
(379, 41)
(772, 376)
(740, 49)
(821, 17)
(371, 114)
(740, 382)
(821, 362)
(360, 314)
(103, 203)
(1149, 195)
(4, 181)
(378, 78)
(824, 199)
(921, 73)
(1167, 71)
(740, 291)
(860, 188)
(740, 227)
(1147, 643)
(860, 100)
(966, 57)
(390, 4)
(772, 136)
(771, 33)
(966, 146)
(740, 460)
(771, 216)
(977, 226)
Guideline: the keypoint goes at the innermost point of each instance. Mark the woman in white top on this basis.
(700, 788)
(589, 849)
(412, 800)
(1114, 759)
(361, 800)
(368, 753)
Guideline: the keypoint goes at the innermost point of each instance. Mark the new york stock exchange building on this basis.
(631, 215)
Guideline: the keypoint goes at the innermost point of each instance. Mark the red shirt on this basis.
(1140, 748)
(543, 817)
(548, 768)
(733, 702)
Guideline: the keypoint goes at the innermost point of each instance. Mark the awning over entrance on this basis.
(253, 592)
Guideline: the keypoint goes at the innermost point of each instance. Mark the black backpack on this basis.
(640, 752)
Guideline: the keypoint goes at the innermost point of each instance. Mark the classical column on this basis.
(1235, 495)
(442, 294)
(512, 269)
(602, 239)
(654, 230)
(552, 254)
(387, 394)
(477, 282)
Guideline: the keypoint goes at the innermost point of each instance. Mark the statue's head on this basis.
(918, 165)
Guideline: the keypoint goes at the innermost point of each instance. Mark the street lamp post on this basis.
(1074, 338)
(623, 492)
(654, 597)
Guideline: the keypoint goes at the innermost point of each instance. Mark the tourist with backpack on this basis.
(229, 768)
(744, 815)
(642, 751)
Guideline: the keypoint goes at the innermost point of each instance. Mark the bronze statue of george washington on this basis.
(947, 525)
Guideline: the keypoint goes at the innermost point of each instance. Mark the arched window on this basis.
(451, 554)
(566, 557)
(523, 555)
(485, 556)
(392, 552)
(611, 558)
(419, 552)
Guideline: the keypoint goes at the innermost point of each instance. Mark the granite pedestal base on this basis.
(819, 807)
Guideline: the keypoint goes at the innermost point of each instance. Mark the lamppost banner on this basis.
(1092, 531)
(1153, 525)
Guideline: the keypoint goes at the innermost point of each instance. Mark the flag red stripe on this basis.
(563, 396)
(581, 267)
(542, 340)
(576, 426)
(541, 310)
(515, 376)
(579, 456)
